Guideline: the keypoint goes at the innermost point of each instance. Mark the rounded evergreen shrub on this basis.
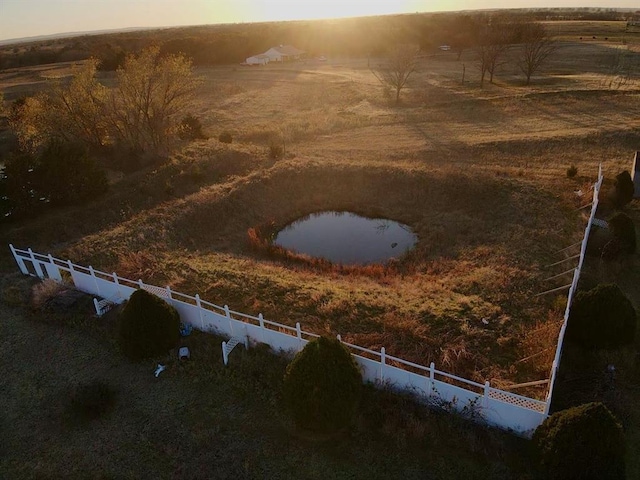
(147, 326)
(624, 189)
(602, 317)
(322, 386)
(624, 231)
(92, 400)
(584, 442)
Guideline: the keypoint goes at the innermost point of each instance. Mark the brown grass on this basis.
(479, 174)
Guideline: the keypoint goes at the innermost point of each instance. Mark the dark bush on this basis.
(572, 171)
(225, 137)
(69, 175)
(624, 231)
(623, 193)
(147, 326)
(322, 386)
(62, 174)
(602, 317)
(584, 442)
(92, 400)
(191, 129)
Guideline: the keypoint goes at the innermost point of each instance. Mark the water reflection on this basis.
(347, 238)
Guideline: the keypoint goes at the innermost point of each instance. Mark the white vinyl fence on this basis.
(572, 289)
(482, 402)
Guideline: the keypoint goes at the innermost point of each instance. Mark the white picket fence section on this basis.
(574, 286)
(495, 407)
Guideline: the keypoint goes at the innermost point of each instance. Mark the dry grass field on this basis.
(478, 173)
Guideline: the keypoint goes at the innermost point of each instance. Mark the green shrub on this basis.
(572, 171)
(225, 137)
(623, 193)
(584, 442)
(322, 386)
(92, 400)
(147, 326)
(624, 231)
(601, 318)
(69, 175)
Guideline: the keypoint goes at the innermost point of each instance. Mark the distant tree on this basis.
(72, 113)
(492, 45)
(152, 96)
(141, 114)
(401, 63)
(536, 48)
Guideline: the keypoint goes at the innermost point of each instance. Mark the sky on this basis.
(27, 18)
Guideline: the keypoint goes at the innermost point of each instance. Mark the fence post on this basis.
(140, 284)
(115, 280)
(199, 305)
(95, 280)
(261, 321)
(339, 337)
(225, 355)
(432, 379)
(19, 261)
(36, 265)
(485, 396)
(299, 335)
(73, 280)
(169, 295)
(228, 315)
(383, 362)
(56, 275)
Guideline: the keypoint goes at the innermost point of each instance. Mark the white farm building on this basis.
(261, 59)
(282, 53)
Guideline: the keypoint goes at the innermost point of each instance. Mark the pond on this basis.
(347, 238)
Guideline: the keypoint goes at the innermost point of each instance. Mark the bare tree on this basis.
(622, 68)
(401, 63)
(152, 95)
(537, 47)
(493, 43)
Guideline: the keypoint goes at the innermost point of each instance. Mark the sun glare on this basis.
(316, 9)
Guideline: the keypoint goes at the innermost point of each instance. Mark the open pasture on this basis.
(478, 173)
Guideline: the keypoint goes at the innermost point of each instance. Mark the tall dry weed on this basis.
(44, 291)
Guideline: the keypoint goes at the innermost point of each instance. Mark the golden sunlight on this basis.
(263, 10)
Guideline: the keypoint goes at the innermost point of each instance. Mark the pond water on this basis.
(347, 238)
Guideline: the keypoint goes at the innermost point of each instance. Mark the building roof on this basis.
(288, 50)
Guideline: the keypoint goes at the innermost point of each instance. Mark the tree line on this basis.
(226, 44)
(493, 40)
(61, 130)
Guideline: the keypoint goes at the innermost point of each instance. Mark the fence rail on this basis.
(496, 407)
(499, 408)
(572, 288)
